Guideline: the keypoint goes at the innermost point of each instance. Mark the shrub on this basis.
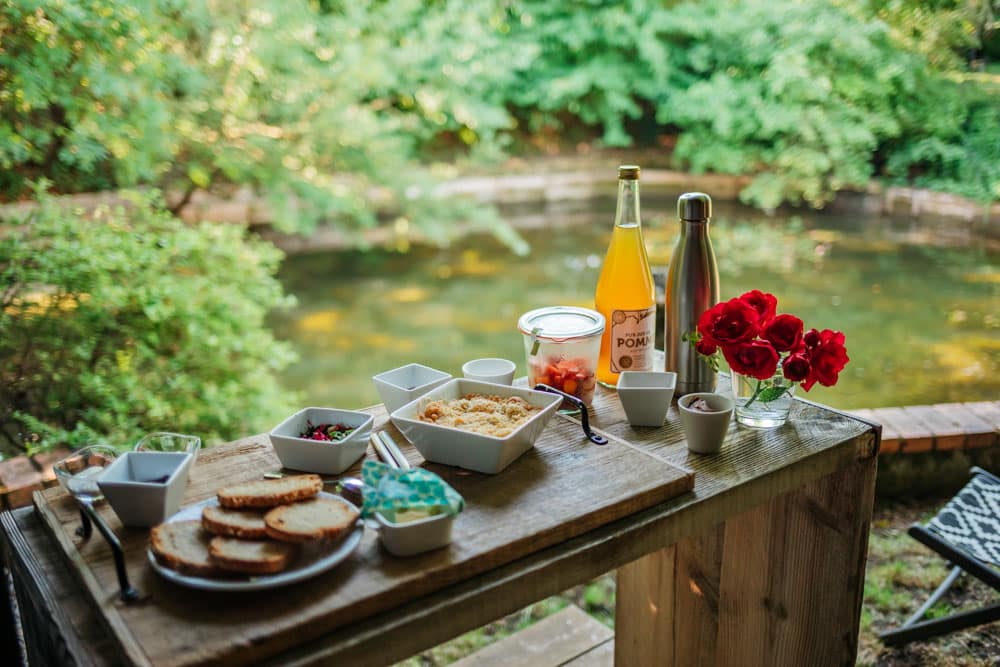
(88, 92)
(952, 142)
(125, 322)
(600, 64)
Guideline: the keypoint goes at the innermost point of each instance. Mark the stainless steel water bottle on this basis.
(692, 288)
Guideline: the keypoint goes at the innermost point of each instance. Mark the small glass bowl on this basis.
(163, 441)
(78, 472)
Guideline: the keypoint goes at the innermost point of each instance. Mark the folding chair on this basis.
(966, 532)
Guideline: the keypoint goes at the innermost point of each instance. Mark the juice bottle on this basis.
(625, 292)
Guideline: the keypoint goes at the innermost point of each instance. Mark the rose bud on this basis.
(795, 367)
(811, 338)
(706, 347)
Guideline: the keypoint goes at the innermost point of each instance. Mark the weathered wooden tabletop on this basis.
(756, 469)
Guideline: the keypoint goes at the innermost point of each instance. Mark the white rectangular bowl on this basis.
(321, 456)
(465, 449)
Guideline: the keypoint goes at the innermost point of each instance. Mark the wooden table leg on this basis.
(780, 584)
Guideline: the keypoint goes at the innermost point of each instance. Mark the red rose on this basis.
(784, 332)
(795, 367)
(756, 359)
(728, 323)
(706, 347)
(826, 359)
(765, 304)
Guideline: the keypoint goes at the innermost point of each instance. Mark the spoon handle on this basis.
(595, 438)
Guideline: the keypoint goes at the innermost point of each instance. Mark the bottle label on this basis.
(632, 338)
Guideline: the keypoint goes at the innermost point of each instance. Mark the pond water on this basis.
(919, 304)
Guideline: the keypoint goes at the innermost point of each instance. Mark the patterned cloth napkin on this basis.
(389, 489)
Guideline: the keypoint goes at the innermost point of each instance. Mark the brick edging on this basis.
(942, 427)
(21, 476)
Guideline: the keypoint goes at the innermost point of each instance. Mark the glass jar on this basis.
(562, 344)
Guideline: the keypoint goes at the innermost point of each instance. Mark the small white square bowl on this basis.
(402, 385)
(646, 395)
(138, 500)
(414, 537)
(321, 456)
(465, 449)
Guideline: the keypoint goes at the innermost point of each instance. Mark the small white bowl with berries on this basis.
(322, 440)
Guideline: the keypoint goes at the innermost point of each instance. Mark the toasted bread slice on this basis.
(250, 556)
(316, 519)
(269, 492)
(183, 546)
(244, 524)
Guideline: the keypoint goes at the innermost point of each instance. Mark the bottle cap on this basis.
(628, 172)
(694, 206)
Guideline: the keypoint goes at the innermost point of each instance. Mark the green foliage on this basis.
(594, 62)
(801, 94)
(85, 92)
(945, 31)
(333, 109)
(953, 142)
(130, 321)
(271, 94)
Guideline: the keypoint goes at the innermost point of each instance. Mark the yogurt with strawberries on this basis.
(562, 344)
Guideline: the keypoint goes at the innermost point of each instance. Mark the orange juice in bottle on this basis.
(625, 293)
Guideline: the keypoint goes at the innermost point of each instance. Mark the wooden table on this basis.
(761, 564)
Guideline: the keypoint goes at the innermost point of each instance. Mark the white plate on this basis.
(313, 559)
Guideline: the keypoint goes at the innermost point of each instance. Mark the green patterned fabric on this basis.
(389, 489)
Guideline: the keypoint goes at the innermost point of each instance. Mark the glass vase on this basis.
(763, 403)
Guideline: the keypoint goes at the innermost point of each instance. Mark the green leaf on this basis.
(771, 394)
(199, 175)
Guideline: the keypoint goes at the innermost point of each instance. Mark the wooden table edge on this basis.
(131, 651)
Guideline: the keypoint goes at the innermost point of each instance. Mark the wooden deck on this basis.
(568, 638)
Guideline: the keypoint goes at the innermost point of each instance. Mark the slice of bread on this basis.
(270, 492)
(316, 519)
(183, 546)
(245, 524)
(250, 556)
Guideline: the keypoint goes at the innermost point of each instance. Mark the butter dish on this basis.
(414, 509)
(417, 536)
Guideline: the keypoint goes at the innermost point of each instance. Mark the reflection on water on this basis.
(921, 321)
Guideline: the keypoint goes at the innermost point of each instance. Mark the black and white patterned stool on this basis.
(971, 520)
(967, 533)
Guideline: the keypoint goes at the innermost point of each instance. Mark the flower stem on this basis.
(756, 393)
(766, 391)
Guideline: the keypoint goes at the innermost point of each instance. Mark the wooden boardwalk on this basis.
(568, 638)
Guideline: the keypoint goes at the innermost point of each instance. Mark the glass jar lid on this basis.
(561, 323)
